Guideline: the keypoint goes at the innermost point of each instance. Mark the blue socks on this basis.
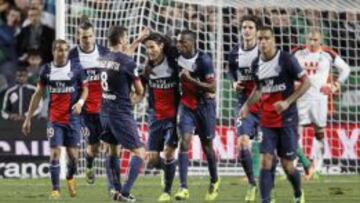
(246, 162)
(265, 185)
(135, 166)
(183, 168)
(55, 174)
(71, 169)
(169, 172)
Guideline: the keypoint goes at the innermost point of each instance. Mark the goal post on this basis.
(216, 23)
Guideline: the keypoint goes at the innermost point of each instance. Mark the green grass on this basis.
(329, 189)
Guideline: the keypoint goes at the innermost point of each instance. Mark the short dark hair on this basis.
(266, 28)
(59, 41)
(21, 66)
(84, 23)
(33, 52)
(251, 18)
(115, 34)
(189, 33)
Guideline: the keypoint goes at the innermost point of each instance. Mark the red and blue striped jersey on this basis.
(64, 84)
(275, 79)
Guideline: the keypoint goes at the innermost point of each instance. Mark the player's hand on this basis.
(26, 127)
(238, 86)
(76, 108)
(244, 111)
(281, 106)
(144, 33)
(185, 75)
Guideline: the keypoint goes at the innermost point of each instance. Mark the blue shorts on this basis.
(92, 124)
(162, 132)
(120, 129)
(201, 120)
(67, 135)
(284, 140)
(248, 126)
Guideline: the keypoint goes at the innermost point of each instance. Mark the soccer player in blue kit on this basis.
(161, 79)
(275, 73)
(118, 75)
(65, 81)
(197, 110)
(240, 59)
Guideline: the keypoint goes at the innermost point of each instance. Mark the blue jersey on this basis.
(163, 86)
(275, 79)
(118, 74)
(64, 84)
(240, 71)
(201, 68)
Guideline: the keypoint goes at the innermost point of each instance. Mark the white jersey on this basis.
(317, 65)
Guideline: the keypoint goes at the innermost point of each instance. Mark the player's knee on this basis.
(207, 147)
(153, 159)
(243, 142)
(55, 153)
(111, 150)
(288, 166)
(184, 143)
(139, 152)
(266, 161)
(169, 153)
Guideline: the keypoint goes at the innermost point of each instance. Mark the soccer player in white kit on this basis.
(313, 105)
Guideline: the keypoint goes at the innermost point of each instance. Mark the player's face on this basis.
(314, 41)
(184, 45)
(87, 39)
(61, 52)
(154, 50)
(21, 77)
(248, 30)
(266, 41)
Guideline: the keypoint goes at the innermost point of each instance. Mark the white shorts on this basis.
(313, 111)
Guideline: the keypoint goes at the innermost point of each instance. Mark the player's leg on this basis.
(93, 126)
(267, 150)
(169, 167)
(306, 163)
(72, 143)
(206, 120)
(319, 112)
(73, 157)
(186, 128)
(55, 134)
(112, 162)
(169, 172)
(247, 128)
(287, 151)
(124, 128)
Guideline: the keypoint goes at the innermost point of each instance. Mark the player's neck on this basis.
(158, 60)
(266, 56)
(60, 64)
(249, 44)
(87, 50)
(189, 54)
(118, 48)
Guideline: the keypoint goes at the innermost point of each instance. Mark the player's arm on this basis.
(297, 73)
(139, 91)
(252, 99)
(344, 72)
(232, 73)
(77, 107)
(34, 103)
(135, 44)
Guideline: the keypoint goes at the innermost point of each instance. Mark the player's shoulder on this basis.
(204, 57)
(73, 53)
(297, 49)
(102, 49)
(331, 52)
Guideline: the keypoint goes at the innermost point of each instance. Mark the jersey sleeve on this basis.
(343, 68)
(293, 67)
(208, 68)
(133, 71)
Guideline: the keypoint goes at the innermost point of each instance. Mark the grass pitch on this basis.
(328, 189)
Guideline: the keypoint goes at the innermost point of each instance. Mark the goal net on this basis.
(216, 23)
